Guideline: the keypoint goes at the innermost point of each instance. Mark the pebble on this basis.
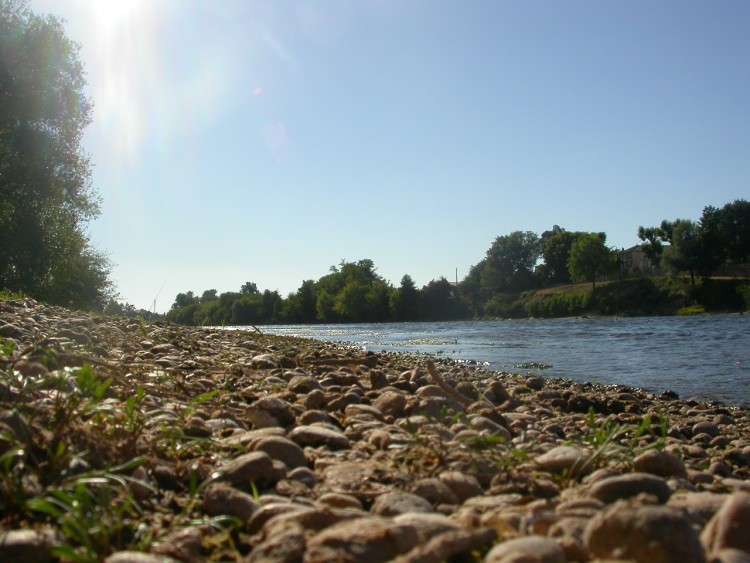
(655, 534)
(391, 504)
(660, 463)
(254, 467)
(317, 436)
(730, 526)
(629, 485)
(531, 549)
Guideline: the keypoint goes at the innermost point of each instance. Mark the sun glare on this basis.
(114, 13)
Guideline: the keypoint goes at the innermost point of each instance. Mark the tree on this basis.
(652, 246)
(684, 253)
(510, 262)
(589, 258)
(556, 245)
(405, 300)
(732, 224)
(46, 198)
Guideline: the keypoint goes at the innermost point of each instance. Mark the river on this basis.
(701, 357)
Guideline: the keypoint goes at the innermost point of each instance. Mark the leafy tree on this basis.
(209, 295)
(684, 251)
(556, 245)
(46, 198)
(440, 302)
(732, 226)
(590, 257)
(248, 288)
(652, 246)
(184, 299)
(510, 262)
(404, 301)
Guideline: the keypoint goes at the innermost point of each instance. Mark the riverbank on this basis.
(121, 438)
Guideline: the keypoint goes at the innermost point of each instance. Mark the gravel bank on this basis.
(129, 442)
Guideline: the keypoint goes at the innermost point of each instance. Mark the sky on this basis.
(267, 141)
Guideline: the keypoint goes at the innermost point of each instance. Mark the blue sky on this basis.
(241, 140)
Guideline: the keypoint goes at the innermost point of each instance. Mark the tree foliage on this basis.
(590, 258)
(46, 198)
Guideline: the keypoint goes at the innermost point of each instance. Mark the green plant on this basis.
(96, 513)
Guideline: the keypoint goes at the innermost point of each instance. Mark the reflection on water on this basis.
(701, 357)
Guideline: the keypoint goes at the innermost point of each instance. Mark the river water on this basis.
(701, 357)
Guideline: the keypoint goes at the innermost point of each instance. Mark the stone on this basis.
(220, 498)
(278, 408)
(265, 361)
(434, 491)
(530, 549)
(449, 546)
(656, 534)
(371, 539)
(138, 557)
(287, 546)
(393, 503)
(698, 507)
(730, 555)
(571, 460)
(629, 485)
(254, 467)
(660, 463)
(463, 486)
(27, 545)
(282, 449)
(391, 403)
(317, 436)
(730, 526)
(706, 427)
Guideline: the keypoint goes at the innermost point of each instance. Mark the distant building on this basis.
(634, 261)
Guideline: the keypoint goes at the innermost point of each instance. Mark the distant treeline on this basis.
(515, 263)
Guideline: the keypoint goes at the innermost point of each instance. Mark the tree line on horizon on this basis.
(520, 261)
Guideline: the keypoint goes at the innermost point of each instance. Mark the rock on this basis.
(656, 534)
(449, 546)
(730, 526)
(434, 491)
(393, 503)
(698, 507)
(340, 500)
(27, 545)
(265, 361)
(659, 463)
(427, 525)
(530, 549)
(11, 331)
(371, 539)
(220, 498)
(620, 487)
(463, 486)
(287, 546)
(571, 460)
(316, 436)
(706, 427)
(255, 467)
(183, 544)
(278, 408)
(391, 403)
(730, 555)
(282, 449)
(138, 557)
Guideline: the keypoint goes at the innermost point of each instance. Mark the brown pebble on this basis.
(656, 534)
(730, 526)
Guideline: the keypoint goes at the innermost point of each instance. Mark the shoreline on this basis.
(240, 445)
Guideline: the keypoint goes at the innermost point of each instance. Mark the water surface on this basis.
(704, 357)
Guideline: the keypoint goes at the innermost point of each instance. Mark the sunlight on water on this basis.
(700, 357)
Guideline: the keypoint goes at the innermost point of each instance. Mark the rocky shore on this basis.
(126, 441)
